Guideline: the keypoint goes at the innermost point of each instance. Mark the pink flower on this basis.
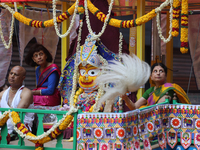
(104, 147)
(146, 143)
(198, 137)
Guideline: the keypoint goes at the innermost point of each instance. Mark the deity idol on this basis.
(88, 60)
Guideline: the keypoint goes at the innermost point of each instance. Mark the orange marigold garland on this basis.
(39, 143)
(184, 27)
(81, 7)
(175, 20)
(39, 146)
(120, 23)
(44, 24)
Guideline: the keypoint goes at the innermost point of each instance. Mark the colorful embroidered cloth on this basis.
(162, 90)
(125, 130)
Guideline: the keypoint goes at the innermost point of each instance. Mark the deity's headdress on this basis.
(88, 54)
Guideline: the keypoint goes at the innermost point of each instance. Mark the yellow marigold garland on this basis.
(78, 92)
(120, 23)
(39, 148)
(100, 15)
(175, 21)
(39, 143)
(4, 119)
(44, 24)
(81, 8)
(184, 27)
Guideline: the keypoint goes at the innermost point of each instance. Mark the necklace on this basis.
(13, 91)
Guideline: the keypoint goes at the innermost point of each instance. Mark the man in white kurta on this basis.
(17, 96)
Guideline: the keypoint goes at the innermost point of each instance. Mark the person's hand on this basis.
(128, 102)
(124, 96)
(36, 92)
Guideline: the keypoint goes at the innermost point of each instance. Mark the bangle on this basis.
(40, 92)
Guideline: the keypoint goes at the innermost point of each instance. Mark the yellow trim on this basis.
(140, 38)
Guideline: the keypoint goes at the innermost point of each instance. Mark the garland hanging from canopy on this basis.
(174, 26)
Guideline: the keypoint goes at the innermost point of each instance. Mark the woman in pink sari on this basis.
(47, 76)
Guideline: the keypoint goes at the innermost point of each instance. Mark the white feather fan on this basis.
(126, 76)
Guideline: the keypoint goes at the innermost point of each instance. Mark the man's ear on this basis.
(24, 77)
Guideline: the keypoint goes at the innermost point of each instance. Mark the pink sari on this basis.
(47, 100)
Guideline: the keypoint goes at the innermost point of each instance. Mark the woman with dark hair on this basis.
(157, 94)
(47, 76)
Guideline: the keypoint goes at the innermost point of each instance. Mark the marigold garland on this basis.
(184, 27)
(81, 7)
(24, 132)
(44, 24)
(4, 117)
(39, 146)
(120, 23)
(175, 21)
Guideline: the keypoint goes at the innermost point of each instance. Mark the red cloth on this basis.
(47, 100)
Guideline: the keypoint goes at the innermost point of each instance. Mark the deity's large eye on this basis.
(82, 72)
(93, 72)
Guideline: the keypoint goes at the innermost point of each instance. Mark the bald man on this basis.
(17, 96)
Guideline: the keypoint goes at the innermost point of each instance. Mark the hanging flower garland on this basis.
(175, 21)
(46, 137)
(4, 117)
(72, 20)
(7, 46)
(170, 18)
(105, 20)
(120, 59)
(41, 24)
(81, 7)
(120, 23)
(75, 76)
(184, 27)
(51, 134)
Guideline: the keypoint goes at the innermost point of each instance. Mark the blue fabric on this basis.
(66, 80)
(51, 83)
